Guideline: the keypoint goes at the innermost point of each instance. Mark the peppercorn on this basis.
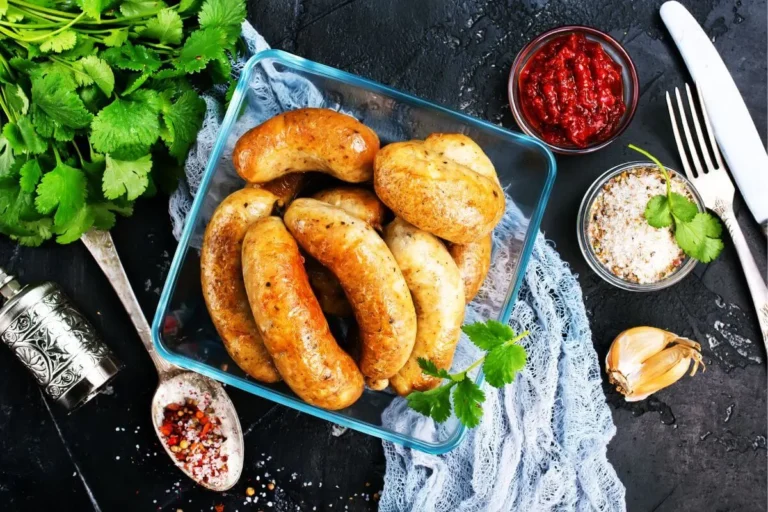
(184, 444)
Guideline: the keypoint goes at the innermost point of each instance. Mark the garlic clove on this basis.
(644, 360)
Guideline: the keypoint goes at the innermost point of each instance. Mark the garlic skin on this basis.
(643, 360)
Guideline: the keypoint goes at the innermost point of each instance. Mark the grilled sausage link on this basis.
(222, 280)
(438, 294)
(474, 262)
(425, 186)
(292, 325)
(370, 277)
(308, 139)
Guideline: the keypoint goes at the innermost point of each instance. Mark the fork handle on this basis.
(757, 287)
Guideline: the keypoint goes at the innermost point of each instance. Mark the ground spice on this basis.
(194, 436)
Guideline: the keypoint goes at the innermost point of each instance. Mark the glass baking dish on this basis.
(272, 82)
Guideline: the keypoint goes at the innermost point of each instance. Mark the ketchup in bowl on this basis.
(571, 92)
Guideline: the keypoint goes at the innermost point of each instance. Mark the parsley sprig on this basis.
(697, 233)
(99, 105)
(503, 359)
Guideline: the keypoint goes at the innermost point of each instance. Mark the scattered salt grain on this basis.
(117, 457)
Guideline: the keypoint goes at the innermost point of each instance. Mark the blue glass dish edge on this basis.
(183, 247)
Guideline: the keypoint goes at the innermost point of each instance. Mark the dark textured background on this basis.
(699, 445)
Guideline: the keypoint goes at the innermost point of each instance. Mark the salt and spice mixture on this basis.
(193, 433)
(619, 234)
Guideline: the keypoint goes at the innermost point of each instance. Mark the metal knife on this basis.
(734, 128)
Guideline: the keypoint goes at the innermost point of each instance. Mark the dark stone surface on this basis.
(699, 445)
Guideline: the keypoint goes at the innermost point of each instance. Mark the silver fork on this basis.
(717, 190)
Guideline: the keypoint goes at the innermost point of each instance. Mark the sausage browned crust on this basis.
(438, 294)
(423, 185)
(292, 325)
(370, 277)
(222, 280)
(474, 261)
(327, 289)
(308, 139)
(356, 201)
(285, 188)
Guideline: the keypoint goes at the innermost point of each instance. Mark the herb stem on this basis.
(658, 164)
(482, 359)
(39, 8)
(5, 108)
(51, 34)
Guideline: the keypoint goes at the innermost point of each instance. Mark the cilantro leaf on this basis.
(467, 400)
(137, 7)
(100, 72)
(23, 138)
(30, 174)
(502, 364)
(136, 82)
(125, 124)
(431, 369)
(7, 158)
(104, 214)
(133, 57)
(166, 27)
(63, 190)
(18, 217)
(116, 37)
(697, 238)
(682, 208)
(183, 119)
(74, 228)
(55, 95)
(226, 14)
(17, 100)
(189, 6)
(57, 43)
(3, 7)
(657, 212)
(435, 403)
(126, 177)
(489, 334)
(201, 47)
(92, 8)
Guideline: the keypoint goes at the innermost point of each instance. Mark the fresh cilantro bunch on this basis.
(697, 233)
(100, 105)
(504, 358)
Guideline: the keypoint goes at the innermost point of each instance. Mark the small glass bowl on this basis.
(586, 248)
(612, 48)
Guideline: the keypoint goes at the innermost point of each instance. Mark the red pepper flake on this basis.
(219, 507)
(195, 438)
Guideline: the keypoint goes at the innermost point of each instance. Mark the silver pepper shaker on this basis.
(54, 341)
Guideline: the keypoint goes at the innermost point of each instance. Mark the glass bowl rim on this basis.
(586, 249)
(517, 66)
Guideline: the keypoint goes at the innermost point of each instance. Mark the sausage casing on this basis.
(292, 325)
(370, 277)
(474, 261)
(435, 193)
(285, 187)
(360, 202)
(308, 139)
(438, 294)
(222, 280)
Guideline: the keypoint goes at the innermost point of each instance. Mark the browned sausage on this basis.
(293, 327)
(370, 277)
(474, 261)
(437, 291)
(356, 201)
(327, 288)
(308, 139)
(420, 183)
(285, 188)
(222, 280)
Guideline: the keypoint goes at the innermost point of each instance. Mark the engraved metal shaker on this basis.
(54, 341)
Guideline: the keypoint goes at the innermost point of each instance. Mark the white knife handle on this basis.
(734, 129)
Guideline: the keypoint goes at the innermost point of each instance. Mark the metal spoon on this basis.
(174, 383)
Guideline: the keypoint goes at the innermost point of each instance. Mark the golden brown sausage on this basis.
(292, 325)
(308, 139)
(222, 280)
(474, 261)
(370, 277)
(356, 201)
(436, 193)
(438, 294)
(327, 288)
(285, 188)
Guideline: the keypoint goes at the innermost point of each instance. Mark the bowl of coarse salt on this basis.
(615, 237)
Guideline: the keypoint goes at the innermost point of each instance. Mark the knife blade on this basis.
(734, 128)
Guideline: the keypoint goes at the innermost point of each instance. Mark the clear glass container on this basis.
(182, 329)
(586, 248)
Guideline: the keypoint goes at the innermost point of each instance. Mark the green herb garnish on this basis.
(97, 105)
(696, 233)
(504, 358)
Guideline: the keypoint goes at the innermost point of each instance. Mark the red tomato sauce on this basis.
(571, 92)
